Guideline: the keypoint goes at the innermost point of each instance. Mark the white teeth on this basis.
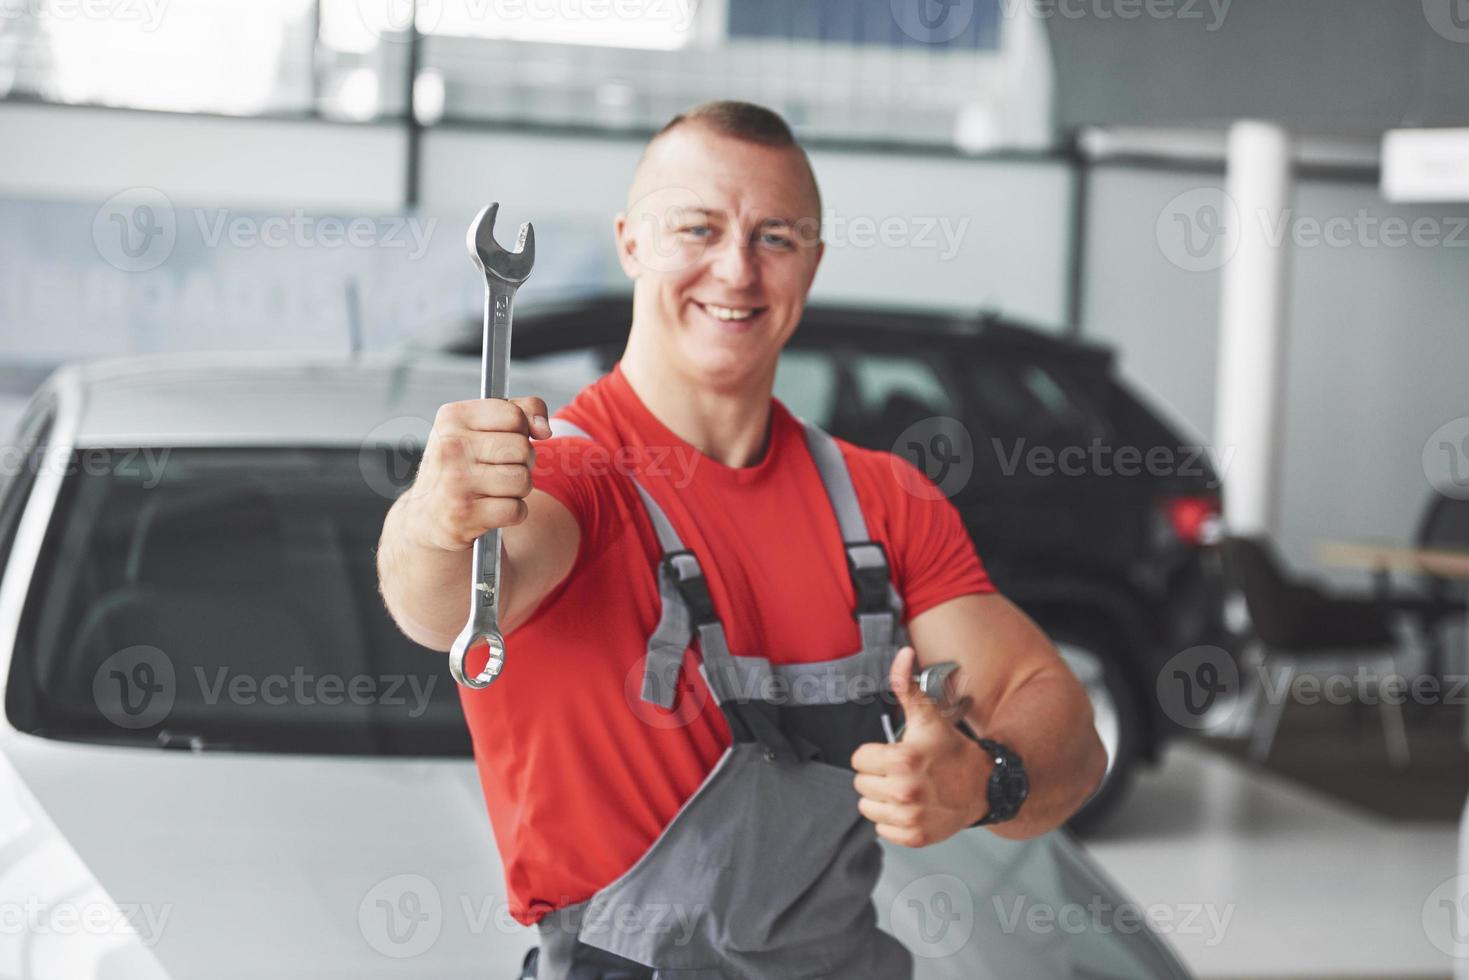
(728, 313)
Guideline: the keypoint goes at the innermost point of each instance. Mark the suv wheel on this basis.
(1118, 720)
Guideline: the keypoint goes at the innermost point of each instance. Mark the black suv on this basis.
(1088, 510)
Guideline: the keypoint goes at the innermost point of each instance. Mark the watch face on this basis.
(1009, 785)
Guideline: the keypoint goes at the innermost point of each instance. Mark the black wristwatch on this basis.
(1008, 786)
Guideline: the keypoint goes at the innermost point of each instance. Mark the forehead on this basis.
(704, 169)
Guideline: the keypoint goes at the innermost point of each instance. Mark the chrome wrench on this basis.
(933, 683)
(504, 271)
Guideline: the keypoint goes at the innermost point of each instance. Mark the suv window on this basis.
(806, 383)
(226, 598)
(1027, 399)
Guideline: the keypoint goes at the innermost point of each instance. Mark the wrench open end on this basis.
(475, 640)
(494, 260)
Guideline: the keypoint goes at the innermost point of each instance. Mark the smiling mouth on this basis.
(731, 314)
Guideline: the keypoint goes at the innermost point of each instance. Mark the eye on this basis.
(696, 231)
(774, 239)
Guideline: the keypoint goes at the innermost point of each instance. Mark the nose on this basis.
(734, 263)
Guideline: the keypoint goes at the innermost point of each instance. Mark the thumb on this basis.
(920, 712)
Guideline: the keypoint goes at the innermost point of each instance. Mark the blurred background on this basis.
(1171, 297)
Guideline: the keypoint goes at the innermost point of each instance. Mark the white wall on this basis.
(961, 233)
(82, 154)
(1378, 341)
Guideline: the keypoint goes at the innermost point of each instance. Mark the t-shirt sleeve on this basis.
(932, 555)
(560, 469)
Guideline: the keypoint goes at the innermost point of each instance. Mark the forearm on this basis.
(425, 589)
(1047, 720)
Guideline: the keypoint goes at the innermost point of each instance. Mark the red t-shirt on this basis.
(580, 775)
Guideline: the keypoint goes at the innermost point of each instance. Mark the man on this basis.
(702, 597)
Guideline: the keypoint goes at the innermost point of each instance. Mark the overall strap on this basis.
(879, 609)
(687, 607)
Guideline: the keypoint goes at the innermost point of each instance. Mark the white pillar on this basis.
(1252, 325)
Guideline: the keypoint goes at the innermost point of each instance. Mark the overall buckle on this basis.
(867, 561)
(694, 589)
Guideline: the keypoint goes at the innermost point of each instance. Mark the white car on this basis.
(219, 758)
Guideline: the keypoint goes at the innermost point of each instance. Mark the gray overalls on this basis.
(767, 871)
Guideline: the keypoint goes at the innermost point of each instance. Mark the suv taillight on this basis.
(1194, 520)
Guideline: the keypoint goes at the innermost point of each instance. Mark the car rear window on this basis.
(227, 598)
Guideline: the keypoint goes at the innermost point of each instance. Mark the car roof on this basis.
(271, 398)
(603, 318)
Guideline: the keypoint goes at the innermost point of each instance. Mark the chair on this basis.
(1444, 527)
(1299, 626)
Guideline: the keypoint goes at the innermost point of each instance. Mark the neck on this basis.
(729, 425)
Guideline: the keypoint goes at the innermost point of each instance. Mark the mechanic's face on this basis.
(721, 238)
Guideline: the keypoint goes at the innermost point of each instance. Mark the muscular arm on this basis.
(426, 588)
(476, 475)
(1024, 696)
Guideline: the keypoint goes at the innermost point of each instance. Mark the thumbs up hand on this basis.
(932, 784)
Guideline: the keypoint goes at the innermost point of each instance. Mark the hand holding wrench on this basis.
(504, 271)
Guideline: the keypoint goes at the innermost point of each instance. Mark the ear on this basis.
(626, 246)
